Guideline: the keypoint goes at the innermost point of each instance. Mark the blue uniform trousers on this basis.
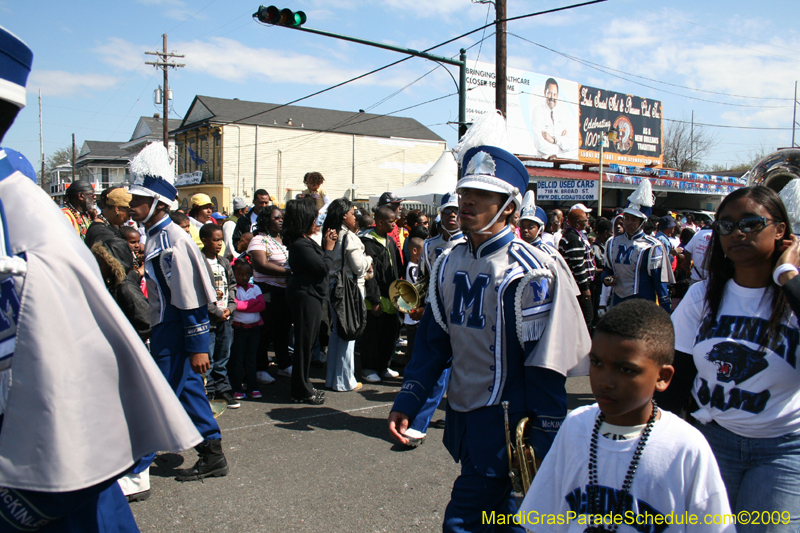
(167, 351)
(423, 418)
(189, 388)
(480, 504)
(99, 509)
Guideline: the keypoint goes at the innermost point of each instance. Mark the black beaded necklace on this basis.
(593, 493)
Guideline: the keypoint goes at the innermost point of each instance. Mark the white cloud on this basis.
(174, 9)
(233, 61)
(701, 59)
(123, 54)
(65, 84)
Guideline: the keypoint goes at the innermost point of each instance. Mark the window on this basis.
(106, 179)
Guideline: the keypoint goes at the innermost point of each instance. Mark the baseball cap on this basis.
(239, 203)
(389, 198)
(118, 197)
(201, 199)
(581, 207)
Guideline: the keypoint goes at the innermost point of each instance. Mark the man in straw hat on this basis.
(179, 288)
(501, 314)
(61, 455)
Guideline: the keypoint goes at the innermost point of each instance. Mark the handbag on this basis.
(347, 302)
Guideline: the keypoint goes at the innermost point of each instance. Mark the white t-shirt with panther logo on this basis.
(751, 390)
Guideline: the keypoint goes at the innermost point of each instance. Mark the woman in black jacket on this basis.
(307, 290)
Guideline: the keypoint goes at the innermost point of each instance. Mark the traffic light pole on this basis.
(461, 63)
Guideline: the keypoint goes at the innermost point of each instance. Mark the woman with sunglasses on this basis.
(736, 343)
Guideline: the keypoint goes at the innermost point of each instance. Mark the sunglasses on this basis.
(745, 225)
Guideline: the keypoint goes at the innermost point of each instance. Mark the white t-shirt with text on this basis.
(676, 474)
(749, 390)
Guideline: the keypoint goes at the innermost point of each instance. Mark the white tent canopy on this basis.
(429, 188)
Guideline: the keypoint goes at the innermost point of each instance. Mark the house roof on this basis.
(207, 109)
(102, 150)
(153, 126)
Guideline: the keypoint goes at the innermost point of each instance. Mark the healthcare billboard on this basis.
(554, 118)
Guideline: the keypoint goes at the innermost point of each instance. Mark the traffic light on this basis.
(280, 17)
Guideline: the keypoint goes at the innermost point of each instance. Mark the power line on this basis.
(606, 70)
(726, 126)
(555, 10)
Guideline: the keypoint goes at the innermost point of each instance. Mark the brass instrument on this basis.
(218, 407)
(521, 457)
(776, 169)
(407, 296)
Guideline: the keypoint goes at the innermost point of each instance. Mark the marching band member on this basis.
(502, 314)
(61, 455)
(449, 235)
(179, 289)
(636, 264)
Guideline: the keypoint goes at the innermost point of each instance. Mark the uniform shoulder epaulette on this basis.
(525, 256)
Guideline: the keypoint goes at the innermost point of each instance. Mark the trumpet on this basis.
(407, 296)
(521, 457)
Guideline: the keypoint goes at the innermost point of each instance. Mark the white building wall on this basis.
(284, 155)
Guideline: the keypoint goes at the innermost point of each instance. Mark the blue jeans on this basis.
(341, 361)
(219, 352)
(759, 475)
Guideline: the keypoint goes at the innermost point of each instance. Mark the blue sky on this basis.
(89, 60)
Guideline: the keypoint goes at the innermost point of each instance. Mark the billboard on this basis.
(638, 121)
(542, 110)
(553, 118)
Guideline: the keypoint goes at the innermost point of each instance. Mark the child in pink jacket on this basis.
(246, 322)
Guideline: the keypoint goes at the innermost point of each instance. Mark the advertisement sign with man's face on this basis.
(552, 118)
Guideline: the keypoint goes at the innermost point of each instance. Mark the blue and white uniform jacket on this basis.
(641, 266)
(504, 316)
(433, 248)
(179, 289)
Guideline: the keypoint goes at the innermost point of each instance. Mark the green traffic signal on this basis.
(280, 17)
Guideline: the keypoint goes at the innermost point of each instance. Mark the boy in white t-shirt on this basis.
(623, 464)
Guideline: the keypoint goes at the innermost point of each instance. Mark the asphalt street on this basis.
(299, 468)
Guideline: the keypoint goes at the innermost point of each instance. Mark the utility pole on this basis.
(73, 158)
(41, 140)
(164, 65)
(500, 58)
(691, 145)
(794, 113)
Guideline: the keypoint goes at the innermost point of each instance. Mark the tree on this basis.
(59, 157)
(685, 147)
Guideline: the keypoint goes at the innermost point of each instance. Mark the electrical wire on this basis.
(554, 10)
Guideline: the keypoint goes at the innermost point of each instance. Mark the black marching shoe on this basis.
(211, 462)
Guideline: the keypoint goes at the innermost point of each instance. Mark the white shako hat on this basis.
(154, 174)
(448, 200)
(530, 211)
(640, 203)
(16, 60)
(486, 162)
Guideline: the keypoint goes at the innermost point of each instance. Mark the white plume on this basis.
(643, 195)
(790, 195)
(153, 160)
(488, 130)
(528, 209)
